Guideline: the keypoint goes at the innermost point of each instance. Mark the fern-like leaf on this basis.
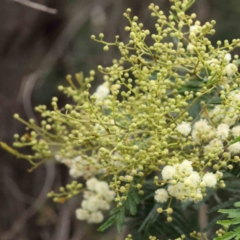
(229, 222)
(234, 214)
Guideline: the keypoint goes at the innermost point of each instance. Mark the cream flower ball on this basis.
(209, 179)
(102, 91)
(168, 172)
(161, 195)
(222, 131)
(184, 128)
(91, 184)
(234, 148)
(82, 214)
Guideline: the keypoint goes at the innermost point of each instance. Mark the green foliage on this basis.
(236, 170)
(189, 4)
(117, 215)
(231, 226)
(149, 221)
(159, 132)
(237, 139)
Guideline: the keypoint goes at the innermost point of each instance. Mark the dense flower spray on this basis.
(140, 122)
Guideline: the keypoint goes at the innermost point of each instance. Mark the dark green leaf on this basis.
(213, 222)
(174, 16)
(180, 222)
(222, 205)
(190, 3)
(237, 139)
(232, 190)
(107, 224)
(120, 218)
(236, 171)
(151, 217)
(135, 196)
(131, 205)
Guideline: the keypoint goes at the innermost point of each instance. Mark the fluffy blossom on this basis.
(101, 187)
(161, 195)
(187, 184)
(184, 128)
(79, 167)
(91, 184)
(228, 57)
(92, 204)
(193, 179)
(234, 148)
(236, 131)
(75, 173)
(194, 29)
(222, 131)
(209, 179)
(202, 131)
(95, 217)
(104, 205)
(176, 190)
(168, 172)
(202, 125)
(186, 167)
(96, 199)
(102, 91)
(109, 196)
(82, 214)
(230, 69)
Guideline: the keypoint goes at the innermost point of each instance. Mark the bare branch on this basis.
(37, 6)
(36, 205)
(79, 18)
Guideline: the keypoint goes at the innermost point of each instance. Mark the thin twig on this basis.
(15, 190)
(80, 17)
(37, 6)
(19, 223)
(63, 227)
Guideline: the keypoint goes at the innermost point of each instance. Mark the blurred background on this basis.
(37, 50)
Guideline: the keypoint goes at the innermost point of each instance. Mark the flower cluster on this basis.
(97, 198)
(169, 106)
(184, 183)
(79, 167)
